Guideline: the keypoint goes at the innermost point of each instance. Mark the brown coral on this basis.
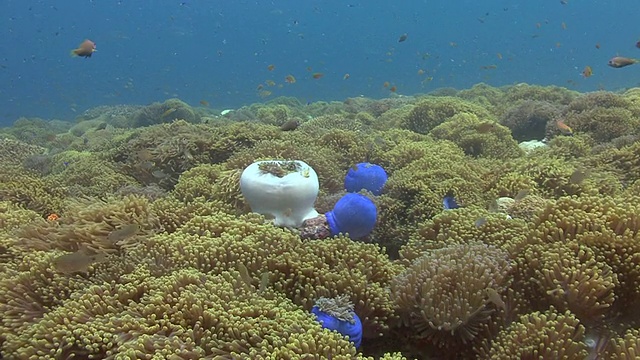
(540, 335)
(442, 297)
(569, 277)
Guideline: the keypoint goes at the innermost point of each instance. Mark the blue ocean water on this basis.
(219, 51)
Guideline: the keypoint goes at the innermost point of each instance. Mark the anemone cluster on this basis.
(126, 234)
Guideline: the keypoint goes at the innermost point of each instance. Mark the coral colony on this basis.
(486, 223)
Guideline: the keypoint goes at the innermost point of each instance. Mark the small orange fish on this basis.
(204, 103)
(317, 75)
(420, 72)
(271, 67)
(587, 72)
(619, 61)
(564, 128)
(290, 79)
(270, 82)
(386, 84)
(393, 88)
(53, 217)
(86, 49)
(346, 76)
(499, 56)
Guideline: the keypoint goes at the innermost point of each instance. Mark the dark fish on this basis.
(159, 174)
(101, 126)
(521, 194)
(449, 202)
(619, 61)
(403, 37)
(78, 261)
(577, 177)
(123, 233)
(290, 125)
(638, 44)
(493, 206)
(485, 127)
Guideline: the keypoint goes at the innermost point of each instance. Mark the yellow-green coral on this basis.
(478, 137)
(569, 277)
(433, 111)
(540, 335)
(443, 296)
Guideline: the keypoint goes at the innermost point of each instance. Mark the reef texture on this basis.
(125, 234)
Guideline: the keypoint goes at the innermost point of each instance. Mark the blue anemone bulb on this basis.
(354, 214)
(351, 329)
(366, 176)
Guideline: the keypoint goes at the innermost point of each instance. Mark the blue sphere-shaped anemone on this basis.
(351, 329)
(354, 214)
(366, 176)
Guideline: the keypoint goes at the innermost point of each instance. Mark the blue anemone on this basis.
(366, 176)
(352, 329)
(354, 214)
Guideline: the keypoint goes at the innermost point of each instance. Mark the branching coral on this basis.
(421, 185)
(442, 297)
(14, 152)
(167, 111)
(90, 223)
(204, 315)
(540, 335)
(432, 111)
(625, 347)
(478, 138)
(465, 226)
(609, 226)
(89, 176)
(603, 115)
(569, 277)
(27, 189)
(528, 120)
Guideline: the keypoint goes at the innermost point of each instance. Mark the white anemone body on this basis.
(288, 199)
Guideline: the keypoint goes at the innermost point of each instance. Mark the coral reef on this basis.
(430, 112)
(164, 112)
(443, 299)
(530, 119)
(126, 235)
(478, 138)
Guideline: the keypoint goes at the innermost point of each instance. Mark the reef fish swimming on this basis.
(79, 261)
(86, 49)
(620, 61)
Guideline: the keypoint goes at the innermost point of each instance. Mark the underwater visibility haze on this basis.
(220, 51)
